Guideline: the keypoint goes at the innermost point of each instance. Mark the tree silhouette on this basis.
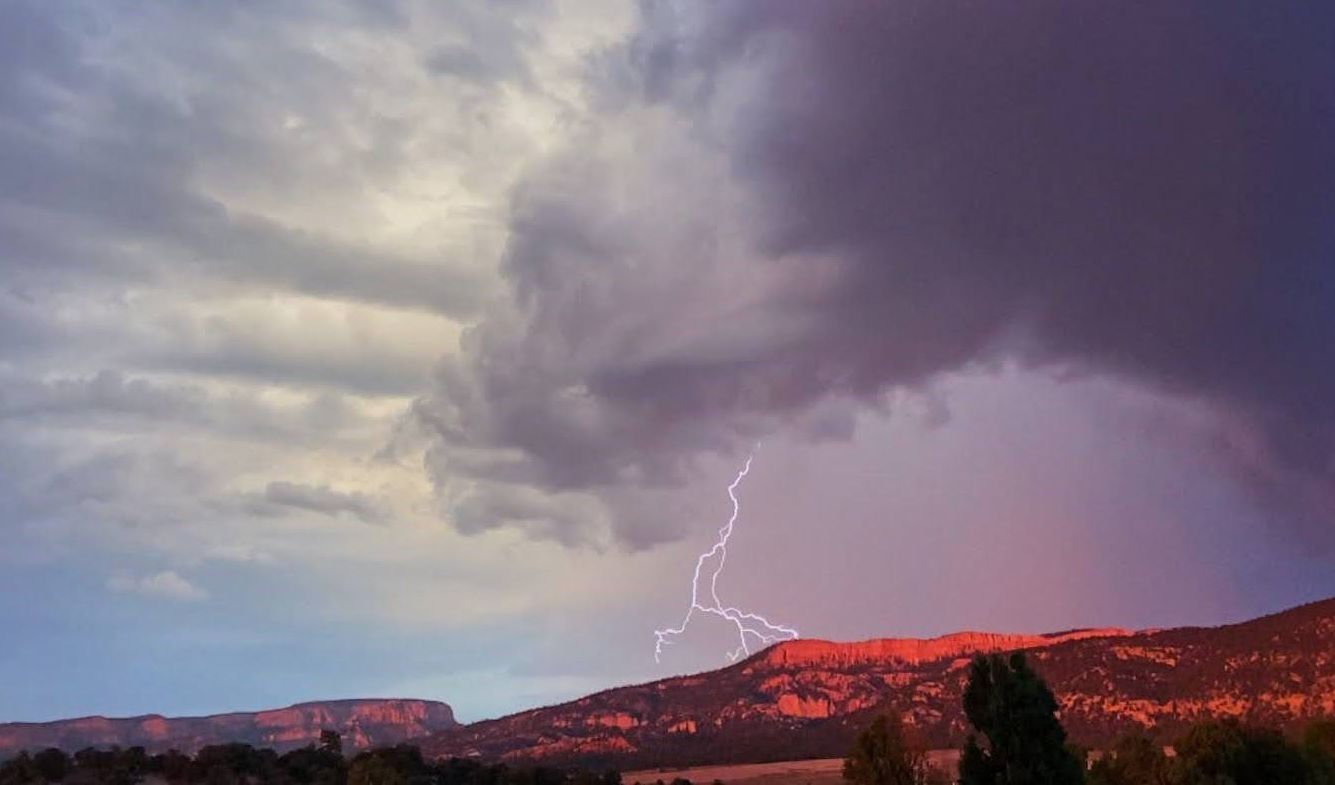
(1230, 752)
(51, 764)
(1014, 710)
(331, 742)
(883, 754)
(1133, 760)
(1319, 748)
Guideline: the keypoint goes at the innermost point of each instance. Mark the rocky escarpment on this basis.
(362, 723)
(915, 651)
(807, 698)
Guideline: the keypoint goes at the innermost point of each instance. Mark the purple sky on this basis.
(355, 349)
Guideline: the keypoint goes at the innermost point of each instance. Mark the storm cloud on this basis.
(788, 210)
(1011, 299)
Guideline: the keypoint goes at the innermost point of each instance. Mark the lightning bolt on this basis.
(750, 626)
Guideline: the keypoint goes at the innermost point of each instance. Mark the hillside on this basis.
(363, 723)
(806, 698)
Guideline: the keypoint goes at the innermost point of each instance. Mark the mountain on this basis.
(807, 698)
(362, 723)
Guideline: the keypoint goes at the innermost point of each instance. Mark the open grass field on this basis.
(798, 772)
(825, 771)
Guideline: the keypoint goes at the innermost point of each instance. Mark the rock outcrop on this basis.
(915, 651)
(362, 723)
(807, 698)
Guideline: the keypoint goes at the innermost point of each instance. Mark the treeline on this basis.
(1017, 739)
(242, 764)
(1226, 751)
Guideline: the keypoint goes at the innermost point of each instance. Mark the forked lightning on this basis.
(751, 627)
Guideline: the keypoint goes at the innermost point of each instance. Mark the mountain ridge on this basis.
(363, 722)
(806, 698)
(1278, 668)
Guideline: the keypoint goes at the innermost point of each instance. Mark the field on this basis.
(798, 772)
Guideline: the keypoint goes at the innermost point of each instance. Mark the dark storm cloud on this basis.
(1146, 188)
(1141, 190)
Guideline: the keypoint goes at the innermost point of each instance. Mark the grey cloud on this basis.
(325, 500)
(104, 488)
(1143, 191)
(106, 392)
(461, 61)
(171, 175)
(227, 350)
(490, 46)
(114, 401)
(568, 519)
(73, 211)
(490, 41)
(100, 171)
(540, 405)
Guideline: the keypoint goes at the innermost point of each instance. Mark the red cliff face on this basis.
(807, 698)
(915, 651)
(362, 723)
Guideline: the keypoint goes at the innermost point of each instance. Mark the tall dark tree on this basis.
(884, 754)
(1013, 709)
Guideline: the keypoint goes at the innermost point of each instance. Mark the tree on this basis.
(114, 766)
(883, 754)
(18, 770)
(172, 765)
(331, 742)
(1014, 710)
(1133, 760)
(399, 765)
(314, 766)
(1319, 748)
(374, 770)
(593, 777)
(1229, 752)
(52, 764)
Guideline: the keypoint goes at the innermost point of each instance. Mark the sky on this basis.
(402, 348)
